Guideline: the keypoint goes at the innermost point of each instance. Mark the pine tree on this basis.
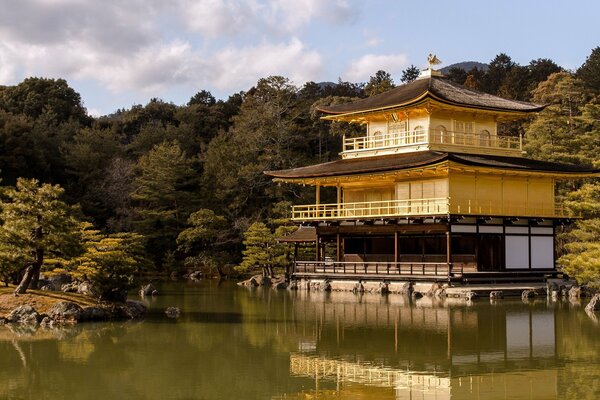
(381, 82)
(164, 196)
(204, 242)
(410, 74)
(259, 252)
(36, 224)
(582, 260)
(557, 133)
(109, 261)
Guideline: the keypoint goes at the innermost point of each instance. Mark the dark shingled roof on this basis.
(420, 159)
(304, 234)
(435, 87)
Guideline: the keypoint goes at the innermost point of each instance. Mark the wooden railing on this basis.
(435, 206)
(421, 137)
(426, 207)
(508, 208)
(379, 268)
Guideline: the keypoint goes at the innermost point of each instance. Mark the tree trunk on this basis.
(32, 274)
(25, 281)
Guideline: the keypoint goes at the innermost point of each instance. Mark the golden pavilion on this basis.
(433, 191)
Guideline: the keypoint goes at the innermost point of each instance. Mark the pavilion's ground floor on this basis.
(440, 249)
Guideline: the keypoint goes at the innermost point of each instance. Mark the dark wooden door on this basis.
(490, 254)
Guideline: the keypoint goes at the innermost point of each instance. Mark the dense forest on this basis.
(165, 188)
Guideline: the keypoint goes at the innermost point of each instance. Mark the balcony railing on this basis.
(424, 137)
(425, 207)
(370, 209)
(386, 269)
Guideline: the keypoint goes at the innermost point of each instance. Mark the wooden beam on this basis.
(338, 248)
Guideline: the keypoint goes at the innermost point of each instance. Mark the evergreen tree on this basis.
(259, 253)
(164, 195)
(381, 82)
(457, 75)
(205, 242)
(37, 96)
(410, 74)
(589, 72)
(497, 72)
(557, 134)
(109, 261)
(582, 260)
(36, 224)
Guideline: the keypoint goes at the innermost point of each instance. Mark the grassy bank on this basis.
(42, 301)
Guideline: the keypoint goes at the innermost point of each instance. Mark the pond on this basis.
(237, 343)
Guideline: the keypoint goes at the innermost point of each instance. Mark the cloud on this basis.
(235, 17)
(366, 66)
(151, 46)
(237, 67)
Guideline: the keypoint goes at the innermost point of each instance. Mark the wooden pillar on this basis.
(396, 255)
(317, 249)
(338, 257)
(318, 194)
(448, 247)
(339, 198)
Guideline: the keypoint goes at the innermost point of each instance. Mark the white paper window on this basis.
(517, 252)
(542, 252)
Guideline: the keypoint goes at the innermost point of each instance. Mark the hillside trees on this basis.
(264, 136)
(558, 132)
(164, 195)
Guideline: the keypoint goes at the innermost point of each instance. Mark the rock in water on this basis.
(94, 314)
(496, 294)
(148, 290)
(575, 292)
(196, 275)
(280, 284)
(135, 309)
(24, 314)
(65, 311)
(527, 294)
(471, 296)
(594, 304)
(173, 312)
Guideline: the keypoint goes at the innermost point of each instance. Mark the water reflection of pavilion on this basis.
(429, 350)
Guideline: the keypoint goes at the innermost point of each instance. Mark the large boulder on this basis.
(24, 314)
(57, 280)
(87, 288)
(95, 314)
(594, 304)
(66, 311)
(135, 309)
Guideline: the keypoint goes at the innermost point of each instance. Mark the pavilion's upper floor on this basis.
(431, 113)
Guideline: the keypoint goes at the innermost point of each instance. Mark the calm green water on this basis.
(238, 343)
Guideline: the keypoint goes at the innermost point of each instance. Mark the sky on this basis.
(117, 53)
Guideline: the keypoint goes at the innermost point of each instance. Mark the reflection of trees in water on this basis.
(231, 341)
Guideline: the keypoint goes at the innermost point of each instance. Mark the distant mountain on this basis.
(466, 65)
(326, 85)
